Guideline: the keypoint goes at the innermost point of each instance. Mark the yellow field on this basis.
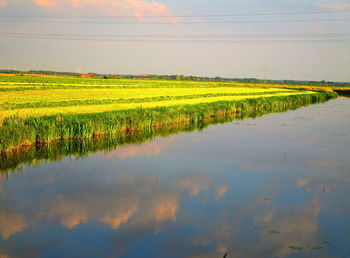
(35, 96)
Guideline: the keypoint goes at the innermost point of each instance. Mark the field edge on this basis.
(18, 133)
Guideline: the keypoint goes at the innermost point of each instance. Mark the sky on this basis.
(267, 39)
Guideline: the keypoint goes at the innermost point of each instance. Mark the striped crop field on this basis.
(27, 96)
(37, 109)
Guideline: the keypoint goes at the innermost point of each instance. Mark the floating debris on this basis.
(294, 247)
(274, 232)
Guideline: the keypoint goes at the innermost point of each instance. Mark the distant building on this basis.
(89, 75)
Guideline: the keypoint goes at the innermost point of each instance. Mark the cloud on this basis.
(3, 3)
(326, 163)
(127, 199)
(221, 191)
(303, 182)
(119, 216)
(131, 205)
(194, 183)
(147, 149)
(159, 209)
(69, 213)
(137, 8)
(11, 224)
(333, 6)
(46, 3)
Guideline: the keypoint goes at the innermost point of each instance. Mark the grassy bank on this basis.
(17, 132)
(37, 110)
(200, 117)
(77, 148)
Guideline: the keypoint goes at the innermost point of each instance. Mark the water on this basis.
(274, 186)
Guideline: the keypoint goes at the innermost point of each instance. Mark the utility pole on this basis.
(266, 72)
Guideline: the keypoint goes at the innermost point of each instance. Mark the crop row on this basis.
(17, 132)
(47, 82)
(82, 109)
(123, 93)
(87, 102)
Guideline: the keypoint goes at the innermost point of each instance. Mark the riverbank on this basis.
(17, 133)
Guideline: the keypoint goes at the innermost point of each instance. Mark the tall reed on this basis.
(16, 132)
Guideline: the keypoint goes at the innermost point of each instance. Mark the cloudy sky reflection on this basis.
(244, 188)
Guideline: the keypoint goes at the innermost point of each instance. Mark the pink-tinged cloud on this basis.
(46, 3)
(333, 6)
(10, 225)
(326, 163)
(147, 149)
(3, 3)
(221, 191)
(194, 183)
(136, 8)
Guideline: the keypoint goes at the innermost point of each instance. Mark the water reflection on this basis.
(11, 223)
(115, 204)
(147, 149)
(82, 147)
(276, 186)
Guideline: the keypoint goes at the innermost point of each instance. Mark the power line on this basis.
(231, 41)
(180, 23)
(179, 36)
(177, 16)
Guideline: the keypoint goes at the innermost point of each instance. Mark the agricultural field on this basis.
(42, 109)
(27, 96)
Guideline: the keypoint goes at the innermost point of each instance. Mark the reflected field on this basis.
(274, 186)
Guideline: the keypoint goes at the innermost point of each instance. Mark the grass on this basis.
(83, 146)
(76, 148)
(37, 110)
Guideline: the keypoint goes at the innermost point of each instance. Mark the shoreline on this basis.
(21, 134)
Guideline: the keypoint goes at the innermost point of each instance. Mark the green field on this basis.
(40, 109)
(38, 96)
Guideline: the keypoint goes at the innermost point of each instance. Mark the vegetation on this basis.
(82, 146)
(38, 110)
(322, 83)
(29, 96)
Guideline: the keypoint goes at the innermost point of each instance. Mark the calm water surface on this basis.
(275, 186)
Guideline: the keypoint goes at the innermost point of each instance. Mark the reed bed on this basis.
(38, 110)
(82, 144)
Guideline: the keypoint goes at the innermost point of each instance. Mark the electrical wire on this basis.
(177, 16)
(180, 23)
